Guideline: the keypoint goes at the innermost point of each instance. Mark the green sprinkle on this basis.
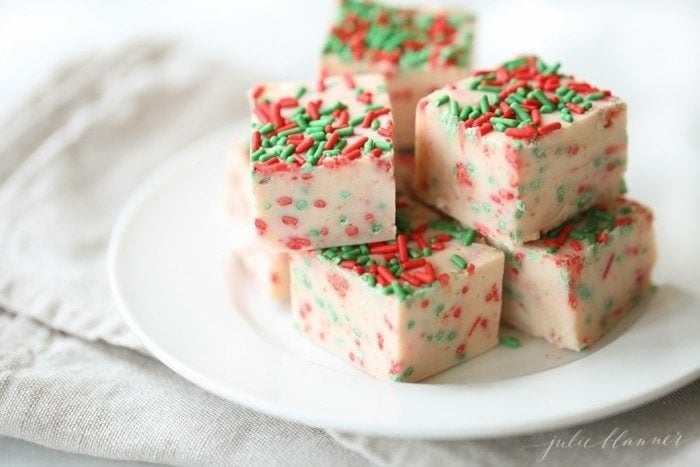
(540, 96)
(520, 112)
(383, 145)
(594, 96)
(468, 237)
(441, 100)
(509, 122)
(256, 155)
(347, 131)
(398, 291)
(454, 108)
(488, 88)
(458, 261)
(301, 90)
(510, 341)
(266, 128)
(357, 120)
(291, 131)
(484, 104)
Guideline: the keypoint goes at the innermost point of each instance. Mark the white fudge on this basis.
(571, 286)
(322, 163)
(417, 50)
(406, 309)
(517, 150)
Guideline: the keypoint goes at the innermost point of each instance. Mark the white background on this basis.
(645, 51)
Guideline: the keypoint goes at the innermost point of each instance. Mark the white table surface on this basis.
(36, 35)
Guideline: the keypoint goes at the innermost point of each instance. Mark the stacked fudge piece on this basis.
(512, 206)
(407, 308)
(417, 51)
(534, 160)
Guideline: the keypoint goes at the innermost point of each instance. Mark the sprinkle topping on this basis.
(403, 266)
(400, 37)
(592, 226)
(517, 94)
(304, 130)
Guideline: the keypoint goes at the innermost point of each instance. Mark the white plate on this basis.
(170, 270)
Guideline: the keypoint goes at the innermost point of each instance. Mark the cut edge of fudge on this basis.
(519, 118)
(269, 269)
(377, 311)
(576, 283)
(322, 162)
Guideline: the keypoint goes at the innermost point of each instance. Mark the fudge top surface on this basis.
(524, 98)
(401, 38)
(587, 231)
(332, 122)
(429, 250)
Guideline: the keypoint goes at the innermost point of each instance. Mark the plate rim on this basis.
(189, 157)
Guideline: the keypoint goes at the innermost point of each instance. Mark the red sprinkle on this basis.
(413, 263)
(622, 221)
(383, 272)
(402, 242)
(290, 220)
(260, 225)
(334, 138)
(255, 141)
(258, 91)
(608, 266)
(548, 128)
(527, 132)
(304, 145)
(382, 249)
(575, 108)
(356, 145)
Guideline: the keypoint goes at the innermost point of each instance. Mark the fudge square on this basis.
(405, 309)
(517, 150)
(418, 51)
(269, 269)
(571, 286)
(322, 163)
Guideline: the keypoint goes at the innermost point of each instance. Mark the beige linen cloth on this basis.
(72, 375)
